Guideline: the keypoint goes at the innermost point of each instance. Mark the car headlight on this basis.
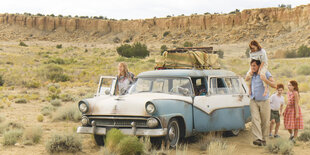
(84, 121)
(150, 108)
(152, 122)
(83, 106)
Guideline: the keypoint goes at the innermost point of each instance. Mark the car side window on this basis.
(199, 85)
(218, 86)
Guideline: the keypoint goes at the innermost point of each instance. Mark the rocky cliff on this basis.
(263, 24)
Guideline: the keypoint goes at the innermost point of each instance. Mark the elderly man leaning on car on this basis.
(259, 104)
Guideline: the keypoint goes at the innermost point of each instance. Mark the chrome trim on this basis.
(139, 132)
(112, 117)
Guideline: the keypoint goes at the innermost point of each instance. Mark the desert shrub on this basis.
(12, 136)
(56, 61)
(53, 91)
(280, 145)
(56, 74)
(290, 54)
(220, 54)
(1, 80)
(219, 147)
(21, 100)
(305, 136)
(234, 12)
(22, 44)
(68, 112)
(66, 97)
(166, 33)
(64, 143)
(114, 136)
(136, 50)
(116, 40)
(130, 145)
(45, 111)
(59, 46)
(32, 84)
(163, 48)
(6, 126)
(56, 103)
(303, 51)
(33, 135)
(40, 118)
(247, 52)
(188, 44)
(304, 70)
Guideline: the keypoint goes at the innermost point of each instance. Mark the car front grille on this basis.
(118, 121)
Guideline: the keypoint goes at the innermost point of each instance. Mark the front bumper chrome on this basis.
(138, 132)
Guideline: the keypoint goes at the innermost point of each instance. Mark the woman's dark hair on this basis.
(256, 61)
(295, 85)
(255, 43)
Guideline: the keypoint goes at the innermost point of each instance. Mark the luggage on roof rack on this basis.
(188, 58)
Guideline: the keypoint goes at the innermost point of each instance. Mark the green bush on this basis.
(188, 44)
(130, 145)
(166, 33)
(290, 54)
(12, 136)
(40, 118)
(33, 135)
(280, 145)
(64, 143)
(66, 97)
(45, 111)
(220, 53)
(114, 136)
(53, 91)
(32, 84)
(59, 46)
(22, 44)
(1, 80)
(56, 103)
(136, 50)
(163, 48)
(68, 112)
(21, 100)
(305, 136)
(56, 74)
(304, 70)
(303, 51)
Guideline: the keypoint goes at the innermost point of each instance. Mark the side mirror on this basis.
(107, 91)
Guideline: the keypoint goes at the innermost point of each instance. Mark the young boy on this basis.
(276, 104)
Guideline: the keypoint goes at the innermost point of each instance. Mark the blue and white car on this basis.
(168, 104)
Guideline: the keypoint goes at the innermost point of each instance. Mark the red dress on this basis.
(290, 121)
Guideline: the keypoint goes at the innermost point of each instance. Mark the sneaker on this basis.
(270, 135)
(276, 136)
(291, 137)
(263, 143)
(293, 140)
(257, 142)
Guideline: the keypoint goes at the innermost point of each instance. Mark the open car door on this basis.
(107, 85)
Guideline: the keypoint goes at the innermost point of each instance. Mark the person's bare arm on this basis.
(269, 81)
(260, 67)
(296, 104)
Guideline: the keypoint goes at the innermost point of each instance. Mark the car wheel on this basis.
(173, 134)
(99, 139)
(231, 133)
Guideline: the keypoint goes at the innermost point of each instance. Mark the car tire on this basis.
(173, 133)
(231, 133)
(99, 139)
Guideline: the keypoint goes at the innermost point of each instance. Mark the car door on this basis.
(221, 109)
(107, 85)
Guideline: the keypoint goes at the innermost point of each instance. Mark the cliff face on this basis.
(257, 23)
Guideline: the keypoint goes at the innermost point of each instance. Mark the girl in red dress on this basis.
(292, 114)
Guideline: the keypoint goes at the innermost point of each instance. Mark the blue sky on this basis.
(136, 9)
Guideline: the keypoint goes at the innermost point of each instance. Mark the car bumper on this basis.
(137, 132)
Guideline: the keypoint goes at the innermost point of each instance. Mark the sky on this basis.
(136, 9)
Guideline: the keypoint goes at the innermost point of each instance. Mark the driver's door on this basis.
(107, 85)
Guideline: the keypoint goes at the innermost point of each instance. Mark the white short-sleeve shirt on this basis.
(276, 101)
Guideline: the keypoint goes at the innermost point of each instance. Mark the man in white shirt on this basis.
(276, 105)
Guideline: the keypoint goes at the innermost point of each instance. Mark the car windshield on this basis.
(180, 86)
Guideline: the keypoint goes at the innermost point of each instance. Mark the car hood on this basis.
(128, 105)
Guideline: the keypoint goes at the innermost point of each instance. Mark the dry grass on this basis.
(218, 147)
(33, 135)
(64, 143)
(280, 145)
(68, 112)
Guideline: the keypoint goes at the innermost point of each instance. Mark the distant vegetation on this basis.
(188, 44)
(136, 50)
(302, 51)
(234, 12)
(285, 6)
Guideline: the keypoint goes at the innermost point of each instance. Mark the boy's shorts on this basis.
(275, 115)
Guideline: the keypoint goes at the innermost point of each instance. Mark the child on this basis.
(258, 53)
(292, 114)
(276, 104)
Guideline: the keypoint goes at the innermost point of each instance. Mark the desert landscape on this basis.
(49, 63)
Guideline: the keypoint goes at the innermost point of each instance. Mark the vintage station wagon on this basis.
(170, 104)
